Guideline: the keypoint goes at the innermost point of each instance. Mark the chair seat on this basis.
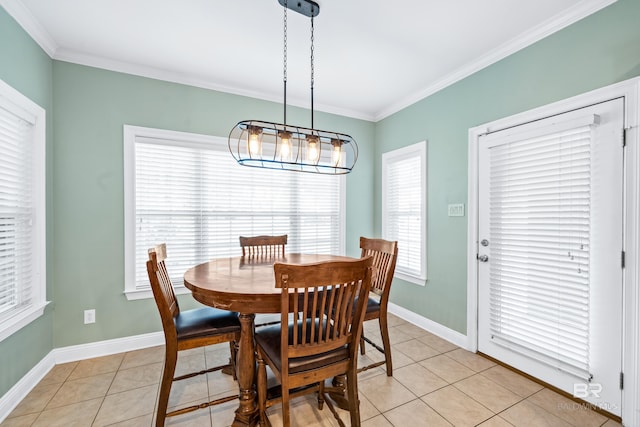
(269, 340)
(373, 305)
(203, 322)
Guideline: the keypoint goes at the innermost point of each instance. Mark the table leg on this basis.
(247, 412)
(339, 391)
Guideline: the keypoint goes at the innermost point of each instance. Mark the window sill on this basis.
(21, 319)
(137, 294)
(420, 281)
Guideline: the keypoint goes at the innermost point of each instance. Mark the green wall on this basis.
(25, 67)
(91, 107)
(599, 50)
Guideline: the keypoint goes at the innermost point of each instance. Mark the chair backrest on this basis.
(163, 289)
(336, 289)
(263, 246)
(385, 255)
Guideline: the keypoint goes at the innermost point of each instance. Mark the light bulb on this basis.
(336, 153)
(254, 144)
(285, 146)
(313, 151)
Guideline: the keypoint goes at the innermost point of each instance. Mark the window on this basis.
(188, 191)
(22, 211)
(404, 209)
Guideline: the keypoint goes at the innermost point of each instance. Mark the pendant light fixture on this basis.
(270, 145)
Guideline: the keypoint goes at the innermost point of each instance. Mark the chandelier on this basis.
(282, 146)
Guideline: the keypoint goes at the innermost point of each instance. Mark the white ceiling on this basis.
(372, 58)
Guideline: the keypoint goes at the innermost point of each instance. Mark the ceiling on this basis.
(372, 58)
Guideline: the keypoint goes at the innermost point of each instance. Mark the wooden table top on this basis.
(246, 285)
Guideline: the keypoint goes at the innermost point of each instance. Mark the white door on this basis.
(550, 249)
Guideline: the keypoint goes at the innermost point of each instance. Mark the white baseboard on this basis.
(19, 391)
(435, 328)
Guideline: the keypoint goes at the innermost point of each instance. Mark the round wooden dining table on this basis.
(245, 285)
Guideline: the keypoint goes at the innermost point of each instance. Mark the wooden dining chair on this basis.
(263, 246)
(184, 330)
(385, 256)
(314, 347)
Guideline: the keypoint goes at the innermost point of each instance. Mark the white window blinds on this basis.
(404, 208)
(192, 195)
(539, 221)
(22, 211)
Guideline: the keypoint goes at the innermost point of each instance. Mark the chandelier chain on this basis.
(284, 71)
(312, 53)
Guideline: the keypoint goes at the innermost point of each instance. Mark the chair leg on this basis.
(170, 360)
(321, 395)
(233, 346)
(262, 391)
(384, 331)
(352, 394)
(286, 419)
(362, 344)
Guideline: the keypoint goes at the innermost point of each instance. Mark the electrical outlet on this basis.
(456, 209)
(89, 316)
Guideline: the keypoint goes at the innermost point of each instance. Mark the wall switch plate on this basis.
(89, 316)
(456, 209)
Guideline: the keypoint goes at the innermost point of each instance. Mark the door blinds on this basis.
(16, 213)
(539, 221)
(199, 201)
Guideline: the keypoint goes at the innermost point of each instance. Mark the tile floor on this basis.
(434, 384)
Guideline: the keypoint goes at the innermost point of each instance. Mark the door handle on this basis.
(483, 258)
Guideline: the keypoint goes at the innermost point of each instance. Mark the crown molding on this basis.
(31, 25)
(557, 23)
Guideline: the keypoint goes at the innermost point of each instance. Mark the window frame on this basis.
(418, 149)
(130, 134)
(18, 104)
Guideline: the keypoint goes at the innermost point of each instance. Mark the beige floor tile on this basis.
(21, 421)
(416, 414)
(574, 413)
(127, 405)
(75, 415)
(365, 360)
(145, 356)
(510, 380)
(396, 336)
(221, 384)
(385, 392)
(36, 400)
(59, 373)
(398, 359)
(304, 412)
(456, 407)
(87, 388)
(217, 355)
(419, 379)
(143, 421)
(447, 368)
(139, 376)
(97, 366)
(526, 414)
(223, 415)
(379, 421)
(488, 393)
(189, 390)
(437, 343)
(611, 423)
(416, 350)
(199, 418)
(190, 362)
(394, 320)
(496, 421)
(471, 360)
(410, 329)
